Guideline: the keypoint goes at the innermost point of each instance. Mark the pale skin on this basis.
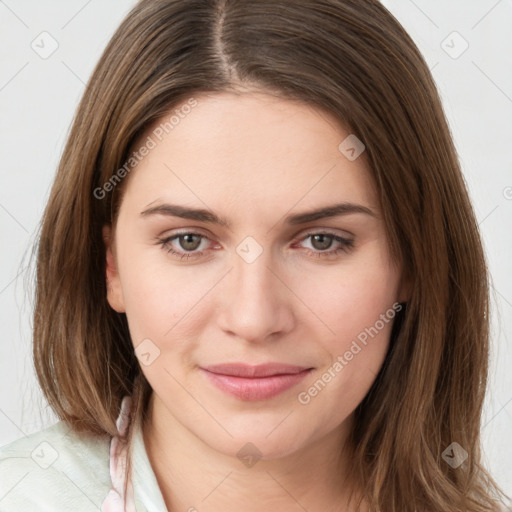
(253, 159)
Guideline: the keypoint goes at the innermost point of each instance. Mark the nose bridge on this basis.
(252, 275)
(256, 302)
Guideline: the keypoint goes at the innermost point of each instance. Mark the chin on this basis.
(258, 444)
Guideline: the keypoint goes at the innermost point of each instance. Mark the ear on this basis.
(114, 290)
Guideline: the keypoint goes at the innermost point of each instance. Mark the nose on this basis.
(256, 304)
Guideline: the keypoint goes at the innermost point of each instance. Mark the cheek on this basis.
(353, 360)
(357, 307)
(163, 303)
(159, 309)
(351, 298)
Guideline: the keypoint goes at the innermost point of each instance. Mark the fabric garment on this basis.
(58, 470)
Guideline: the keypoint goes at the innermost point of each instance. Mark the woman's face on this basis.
(218, 258)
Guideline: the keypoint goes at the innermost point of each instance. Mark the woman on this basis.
(260, 280)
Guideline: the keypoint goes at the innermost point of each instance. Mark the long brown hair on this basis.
(353, 59)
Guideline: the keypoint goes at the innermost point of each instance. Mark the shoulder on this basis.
(54, 469)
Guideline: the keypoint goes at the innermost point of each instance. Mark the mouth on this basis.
(253, 383)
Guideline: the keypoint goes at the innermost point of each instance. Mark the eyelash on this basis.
(346, 245)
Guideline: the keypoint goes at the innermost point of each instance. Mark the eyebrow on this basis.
(202, 215)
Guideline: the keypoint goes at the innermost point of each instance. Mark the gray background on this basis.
(38, 97)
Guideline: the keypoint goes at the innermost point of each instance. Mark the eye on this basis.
(185, 244)
(322, 241)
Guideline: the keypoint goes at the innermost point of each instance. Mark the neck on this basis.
(195, 477)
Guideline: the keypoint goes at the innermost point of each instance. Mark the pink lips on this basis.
(255, 382)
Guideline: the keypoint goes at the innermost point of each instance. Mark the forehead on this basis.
(250, 148)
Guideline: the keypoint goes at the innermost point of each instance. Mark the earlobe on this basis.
(112, 279)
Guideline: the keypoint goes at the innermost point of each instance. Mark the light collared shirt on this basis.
(57, 469)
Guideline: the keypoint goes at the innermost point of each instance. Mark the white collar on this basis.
(143, 492)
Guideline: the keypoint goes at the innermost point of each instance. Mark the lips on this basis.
(262, 370)
(260, 382)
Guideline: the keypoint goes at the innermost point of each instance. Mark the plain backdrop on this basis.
(468, 47)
